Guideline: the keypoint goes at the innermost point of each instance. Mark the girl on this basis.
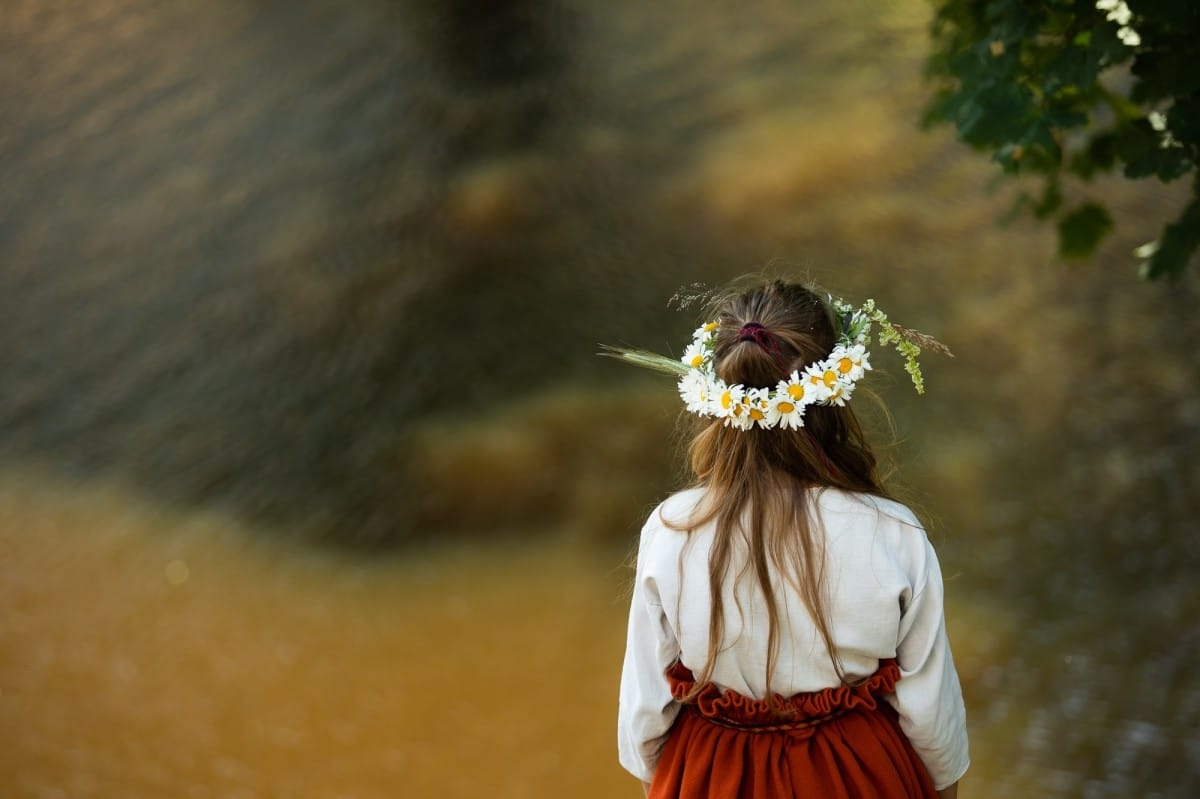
(786, 634)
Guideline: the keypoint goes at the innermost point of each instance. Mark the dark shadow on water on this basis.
(240, 262)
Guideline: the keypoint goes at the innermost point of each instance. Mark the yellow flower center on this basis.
(830, 378)
(796, 391)
(757, 415)
(845, 365)
(785, 407)
(710, 327)
(696, 361)
(726, 399)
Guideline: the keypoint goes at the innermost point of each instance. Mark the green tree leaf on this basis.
(1044, 88)
(1081, 230)
(1179, 242)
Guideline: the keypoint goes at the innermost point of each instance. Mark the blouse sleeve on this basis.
(646, 709)
(928, 695)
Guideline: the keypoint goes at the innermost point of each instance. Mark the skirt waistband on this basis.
(800, 711)
(794, 725)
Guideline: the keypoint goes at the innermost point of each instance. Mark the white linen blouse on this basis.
(884, 590)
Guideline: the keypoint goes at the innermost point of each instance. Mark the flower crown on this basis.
(829, 381)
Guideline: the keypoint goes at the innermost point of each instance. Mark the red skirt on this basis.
(840, 742)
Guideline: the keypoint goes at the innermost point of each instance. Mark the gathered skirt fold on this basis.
(839, 742)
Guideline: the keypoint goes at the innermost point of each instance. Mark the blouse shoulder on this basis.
(675, 511)
(665, 530)
(856, 503)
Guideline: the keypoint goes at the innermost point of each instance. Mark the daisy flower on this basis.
(793, 389)
(705, 331)
(785, 412)
(821, 380)
(696, 392)
(740, 417)
(850, 363)
(728, 401)
(756, 404)
(841, 394)
(695, 355)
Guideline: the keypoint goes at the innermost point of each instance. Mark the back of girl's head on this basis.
(798, 330)
(765, 333)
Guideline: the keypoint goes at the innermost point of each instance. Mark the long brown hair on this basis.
(758, 483)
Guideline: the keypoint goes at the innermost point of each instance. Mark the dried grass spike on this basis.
(922, 340)
(693, 294)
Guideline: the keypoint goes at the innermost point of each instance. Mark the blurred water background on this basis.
(312, 484)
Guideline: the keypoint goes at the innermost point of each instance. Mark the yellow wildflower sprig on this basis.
(908, 342)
